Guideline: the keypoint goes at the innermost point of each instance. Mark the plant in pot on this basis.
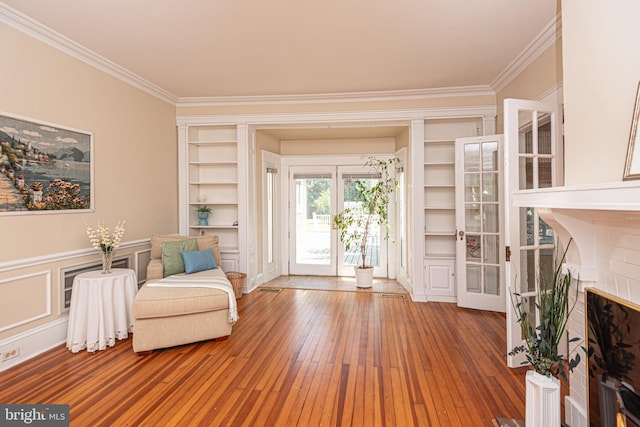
(203, 214)
(542, 337)
(371, 209)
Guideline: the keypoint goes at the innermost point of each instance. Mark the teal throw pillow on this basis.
(172, 262)
(198, 261)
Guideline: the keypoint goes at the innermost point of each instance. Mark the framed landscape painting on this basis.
(44, 168)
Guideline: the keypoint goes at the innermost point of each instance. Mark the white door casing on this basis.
(314, 245)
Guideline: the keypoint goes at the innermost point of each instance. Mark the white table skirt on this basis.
(100, 309)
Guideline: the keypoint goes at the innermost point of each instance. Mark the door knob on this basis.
(461, 234)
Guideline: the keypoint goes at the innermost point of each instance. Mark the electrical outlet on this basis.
(10, 354)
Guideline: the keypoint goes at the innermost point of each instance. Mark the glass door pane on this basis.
(351, 183)
(478, 205)
(313, 248)
(351, 179)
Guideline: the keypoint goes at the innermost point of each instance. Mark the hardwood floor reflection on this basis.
(333, 283)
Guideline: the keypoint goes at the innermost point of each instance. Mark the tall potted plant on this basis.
(372, 210)
(542, 341)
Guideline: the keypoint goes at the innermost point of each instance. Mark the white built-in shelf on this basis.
(213, 182)
(214, 163)
(447, 233)
(212, 142)
(213, 203)
(439, 208)
(214, 227)
(439, 164)
(440, 256)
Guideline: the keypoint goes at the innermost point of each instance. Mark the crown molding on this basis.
(346, 118)
(373, 96)
(47, 35)
(545, 39)
(41, 32)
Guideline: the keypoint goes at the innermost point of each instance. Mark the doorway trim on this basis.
(413, 118)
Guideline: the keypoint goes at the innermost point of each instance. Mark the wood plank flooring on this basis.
(295, 358)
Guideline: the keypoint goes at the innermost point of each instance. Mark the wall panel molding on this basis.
(62, 256)
(16, 300)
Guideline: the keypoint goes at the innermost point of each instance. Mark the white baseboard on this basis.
(575, 415)
(34, 341)
(442, 298)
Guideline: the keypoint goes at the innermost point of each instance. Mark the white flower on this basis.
(102, 239)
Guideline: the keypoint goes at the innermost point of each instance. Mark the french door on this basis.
(533, 154)
(479, 223)
(316, 194)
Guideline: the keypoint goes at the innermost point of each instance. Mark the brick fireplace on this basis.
(604, 222)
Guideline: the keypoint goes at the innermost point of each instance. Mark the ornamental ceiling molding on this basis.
(47, 35)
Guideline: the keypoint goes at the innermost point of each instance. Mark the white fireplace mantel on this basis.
(577, 211)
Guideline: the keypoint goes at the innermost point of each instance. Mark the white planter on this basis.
(543, 401)
(364, 277)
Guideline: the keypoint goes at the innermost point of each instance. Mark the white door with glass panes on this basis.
(533, 154)
(312, 241)
(479, 217)
(316, 195)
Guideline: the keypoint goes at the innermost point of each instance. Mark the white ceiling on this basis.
(227, 48)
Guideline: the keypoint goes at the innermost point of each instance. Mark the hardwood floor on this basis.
(295, 358)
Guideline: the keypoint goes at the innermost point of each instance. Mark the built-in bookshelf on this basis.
(440, 203)
(212, 180)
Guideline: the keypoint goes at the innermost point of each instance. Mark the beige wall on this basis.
(537, 79)
(601, 73)
(135, 157)
(338, 146)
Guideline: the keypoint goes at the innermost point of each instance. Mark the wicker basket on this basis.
(237, 281)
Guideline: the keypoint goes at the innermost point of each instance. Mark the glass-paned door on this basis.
(313, 242)
(533, 155)
(350, 178)
(317, 193)
(479, 213)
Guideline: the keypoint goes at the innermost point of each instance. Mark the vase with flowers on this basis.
(106, 242)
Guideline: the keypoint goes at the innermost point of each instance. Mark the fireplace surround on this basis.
(604, 222)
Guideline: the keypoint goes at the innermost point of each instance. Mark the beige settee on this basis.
(176, 315)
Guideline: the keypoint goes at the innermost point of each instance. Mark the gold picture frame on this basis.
(632, 163)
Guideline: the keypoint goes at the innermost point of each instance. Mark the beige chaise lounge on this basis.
(167, 316)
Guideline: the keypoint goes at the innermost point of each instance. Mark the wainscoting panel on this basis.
(26, 298)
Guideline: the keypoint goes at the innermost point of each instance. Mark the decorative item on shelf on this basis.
(203, 214)
(542, 335)
(106, 242)
(202, 198)
(371, 210)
